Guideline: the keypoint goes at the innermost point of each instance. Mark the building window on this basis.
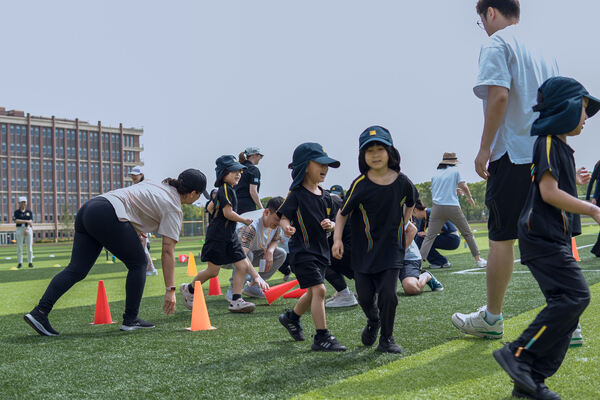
(83, 143)
(35, 141)
(3, 132)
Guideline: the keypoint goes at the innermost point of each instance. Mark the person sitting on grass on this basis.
(309, 208)
(547, 223)
(412, 278)
(222, 246)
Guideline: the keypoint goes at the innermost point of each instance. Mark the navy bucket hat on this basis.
(225, 164)
(375, 133)
(302, 155)
(559, 104)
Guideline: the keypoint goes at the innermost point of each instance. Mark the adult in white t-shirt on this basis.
(512, 67)
(114, 220)
(446, 207)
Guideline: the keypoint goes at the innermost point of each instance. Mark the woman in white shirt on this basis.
(114, 220)
(446, 207)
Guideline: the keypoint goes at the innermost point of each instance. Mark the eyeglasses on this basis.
(480, 24)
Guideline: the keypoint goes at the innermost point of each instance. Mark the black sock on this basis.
(293, 316)
(235, 297)
(191, 288)
(322, 332)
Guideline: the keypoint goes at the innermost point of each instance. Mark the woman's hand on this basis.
(170, 301)
(583, 176)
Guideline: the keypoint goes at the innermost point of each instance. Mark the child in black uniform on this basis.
(380, 202)
(306, 216)
(547, 223)
(222, 245)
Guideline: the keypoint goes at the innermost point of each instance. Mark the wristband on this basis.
(170, 288)
(407, 225)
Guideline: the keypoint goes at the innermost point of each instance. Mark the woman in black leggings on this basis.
(595, 200)
(114, 220)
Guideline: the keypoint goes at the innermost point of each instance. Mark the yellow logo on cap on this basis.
(372, 133)
(323, 149)
(234, 159)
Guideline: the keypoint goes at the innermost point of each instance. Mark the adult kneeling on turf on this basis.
(114, 220)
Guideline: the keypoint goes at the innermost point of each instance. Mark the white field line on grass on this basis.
(482, 270)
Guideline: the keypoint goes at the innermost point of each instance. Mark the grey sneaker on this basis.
(39, 322)
(151, 272)
(188, 298)
(241, 306)
(229, 294)
(253, 291)
(342, 300)
(132, 325)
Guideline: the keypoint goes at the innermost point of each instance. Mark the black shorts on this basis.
(410, 268)
(309, 273)
(505, 195)
(220, 252)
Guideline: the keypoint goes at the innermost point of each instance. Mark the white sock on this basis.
(492, 318)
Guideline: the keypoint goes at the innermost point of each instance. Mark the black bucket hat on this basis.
(225, 164)
(559, 104)
(302, 155)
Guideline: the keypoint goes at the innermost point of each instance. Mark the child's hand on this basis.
(289, 231)
(583, 176)
(247, 221)
(261, 283)
(327, 224)
(337, 250)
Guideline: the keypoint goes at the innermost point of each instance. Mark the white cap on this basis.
(22, 198)
(137, 170)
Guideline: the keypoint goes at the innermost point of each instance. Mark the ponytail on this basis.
(242, 157)
(177, 184)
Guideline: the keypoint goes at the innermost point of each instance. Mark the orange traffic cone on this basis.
(214, 287)
(276, 292)
(102, 315)
(294, 294)
(575, 251)
(200, 318)
(191, 270)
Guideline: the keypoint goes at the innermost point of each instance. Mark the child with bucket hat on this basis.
(546, 224)
(379, 205)
(222, 245)
(306, 217)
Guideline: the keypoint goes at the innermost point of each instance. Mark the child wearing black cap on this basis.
(306, 217)
(380, 204)
(546, 224)
(222, 245)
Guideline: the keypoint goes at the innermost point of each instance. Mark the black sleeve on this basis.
(412, 193)
(595, 177)
(353, 196)
(224, 195)
(252, 175)
(289, 206)
(546, 158)
(332, 206)
(15, 216)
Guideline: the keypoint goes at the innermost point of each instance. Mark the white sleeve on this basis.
(494, 60)
(170, 225)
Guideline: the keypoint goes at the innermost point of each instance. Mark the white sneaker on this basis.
(241, 306)
(188, 298)
(253, 291)
(481, 263)
(151, 272)
(342, 300)
(476, 325)
(435, 266)
(576, 337)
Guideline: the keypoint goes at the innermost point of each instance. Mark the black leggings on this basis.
(378, 299)
(97, 226)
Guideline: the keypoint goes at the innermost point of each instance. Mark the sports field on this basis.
(252, 355)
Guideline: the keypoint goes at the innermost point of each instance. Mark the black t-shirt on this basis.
(377, 220)
(22, 215)
(306, 210)
(221, 228)
(544, 229)
(346, 236)
(250, 176)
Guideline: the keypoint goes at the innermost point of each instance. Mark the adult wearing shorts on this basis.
(115, 220)
(511, 69)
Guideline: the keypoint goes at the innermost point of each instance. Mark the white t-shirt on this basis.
(149, 207)
(510, 60)
(443, 186)
(263, 235)
(412, 253)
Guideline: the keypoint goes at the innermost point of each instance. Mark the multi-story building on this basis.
(59, 164)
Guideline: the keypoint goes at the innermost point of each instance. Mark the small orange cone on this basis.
(191, 270)
(294, 294)
(102, 315)
(276, 292)
(574, 248)
(214, 287)
(200, 318)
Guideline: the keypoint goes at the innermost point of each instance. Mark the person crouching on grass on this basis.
(222, 245)
(546, 224)
(380, 204)
(309, 208)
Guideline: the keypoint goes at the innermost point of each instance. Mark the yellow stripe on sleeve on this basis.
(225, 188)
(548, 144)
(352, 190)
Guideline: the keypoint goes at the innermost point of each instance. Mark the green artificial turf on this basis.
(252, 356)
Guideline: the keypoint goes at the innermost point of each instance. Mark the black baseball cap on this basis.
(226, 163)
(193, 179)
(559, 104)
(302, 155)
(375, 133)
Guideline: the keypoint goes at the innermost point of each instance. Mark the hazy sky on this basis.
(206, 78)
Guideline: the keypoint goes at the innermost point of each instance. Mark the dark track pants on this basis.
(567, 295)
(596, 248)
(97, 226)
(378, 298)
(334, 274)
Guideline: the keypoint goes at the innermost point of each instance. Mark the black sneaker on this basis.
(388, 345)
(136, 324)
(30, 265)
(39, 322)
(19, 266)
(369, 334)
(327, 343)
(542, 392)
(293, 327)
(518, 370)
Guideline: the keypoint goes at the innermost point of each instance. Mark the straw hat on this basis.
(449, 159)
